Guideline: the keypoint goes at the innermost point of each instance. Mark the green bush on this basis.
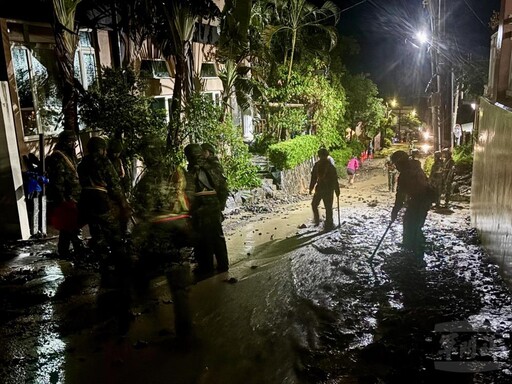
(235, 157)
(341, 158)
(261, 143)
(427, 165)
(463, 155)
(289, 154)
(118, 107)
(355, 147)
(202, 123)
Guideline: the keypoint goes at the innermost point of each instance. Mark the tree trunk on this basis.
(177, 94)
(294, 40)
(65, 63)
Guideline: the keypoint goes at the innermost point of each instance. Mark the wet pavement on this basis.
(298, 305)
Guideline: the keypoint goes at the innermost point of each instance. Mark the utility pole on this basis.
(438, 105)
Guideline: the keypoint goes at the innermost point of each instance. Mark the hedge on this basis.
(289, 154)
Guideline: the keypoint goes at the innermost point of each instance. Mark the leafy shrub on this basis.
(427, 165)
(117, 107)
(202, 124)
(341, 158)
(355, 147)
(261, 143)
(289, 154)
(286, 121)
(463, 155)
(234, 155)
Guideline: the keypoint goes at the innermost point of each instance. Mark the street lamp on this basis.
(395, 104)
(422, 37)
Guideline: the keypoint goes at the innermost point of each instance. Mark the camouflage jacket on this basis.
(97, 172)
(214, 169)
(448, 170)
(61, 169)
(412, 184)
(436, 172)
(160, 193)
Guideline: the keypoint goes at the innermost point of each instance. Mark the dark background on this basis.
(385, 29)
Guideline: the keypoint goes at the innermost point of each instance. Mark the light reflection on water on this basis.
(50, 351)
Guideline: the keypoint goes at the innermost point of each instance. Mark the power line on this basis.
(352, 6)
(475, 14)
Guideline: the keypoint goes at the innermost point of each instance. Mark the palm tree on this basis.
(294, 16)
(66, 39)
(233, 50)
(175, 39)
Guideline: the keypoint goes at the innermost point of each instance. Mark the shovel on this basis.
(381, 239)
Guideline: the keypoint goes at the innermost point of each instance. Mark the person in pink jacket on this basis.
(352, 167)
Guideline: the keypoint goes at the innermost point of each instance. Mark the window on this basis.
(206, 34)
(163, 102)
(85, 60)
(156, 69)
(208, 70)
(35, 73)
(215, 97)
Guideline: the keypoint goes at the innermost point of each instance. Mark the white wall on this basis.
(14, 224)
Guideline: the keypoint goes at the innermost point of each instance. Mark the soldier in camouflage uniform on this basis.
(215, 169)
(414, 192)
(448, 174)
(103, 202)
(64, 188)
(206, 212)
(436, 176)
(324, 181)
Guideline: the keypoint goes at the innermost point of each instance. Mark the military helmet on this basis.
(193, 151)
(437, 154)
(208, 147)
(67, 135)
(399, 156)
(95, 144)
(446, 151)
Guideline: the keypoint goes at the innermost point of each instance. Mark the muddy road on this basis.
(298, 305)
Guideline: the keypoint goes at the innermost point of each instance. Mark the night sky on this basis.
(386, 28)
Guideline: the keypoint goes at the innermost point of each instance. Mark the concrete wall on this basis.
(14, 224)
(491, 195)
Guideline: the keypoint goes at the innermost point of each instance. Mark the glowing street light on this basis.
(394, 105)
(422, 37)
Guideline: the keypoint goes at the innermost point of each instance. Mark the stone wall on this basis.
(288, 182)
(296, 180)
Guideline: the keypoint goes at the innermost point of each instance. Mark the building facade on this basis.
(31, 105)
(491, 196)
